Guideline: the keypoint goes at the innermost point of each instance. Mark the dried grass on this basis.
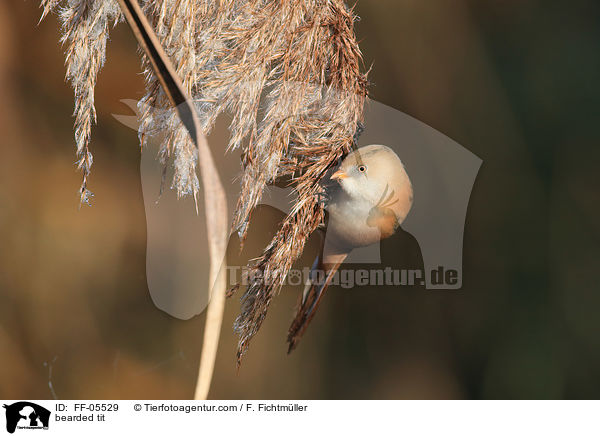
(289, 71)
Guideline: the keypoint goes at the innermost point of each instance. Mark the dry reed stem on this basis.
(215, 203)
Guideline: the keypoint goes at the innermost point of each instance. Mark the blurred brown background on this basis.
(515, 82)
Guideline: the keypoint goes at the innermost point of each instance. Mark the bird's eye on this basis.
(362, 168)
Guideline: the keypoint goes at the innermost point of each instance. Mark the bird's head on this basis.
(367, 172)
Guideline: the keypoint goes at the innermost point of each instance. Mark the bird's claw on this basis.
(323, 198)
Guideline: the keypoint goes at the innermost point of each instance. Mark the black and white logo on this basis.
(26, 415)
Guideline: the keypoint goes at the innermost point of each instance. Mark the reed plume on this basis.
(85, 26)
(289, 73)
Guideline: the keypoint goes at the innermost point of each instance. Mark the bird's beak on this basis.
(339, 175)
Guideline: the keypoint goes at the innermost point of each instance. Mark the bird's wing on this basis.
(322, 272)
(382, 216)
(385, 220)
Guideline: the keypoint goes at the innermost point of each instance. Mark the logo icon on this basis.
(26, 415)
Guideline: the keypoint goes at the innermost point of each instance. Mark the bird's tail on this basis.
(319, 280)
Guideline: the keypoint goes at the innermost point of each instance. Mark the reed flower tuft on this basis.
(287, 71)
